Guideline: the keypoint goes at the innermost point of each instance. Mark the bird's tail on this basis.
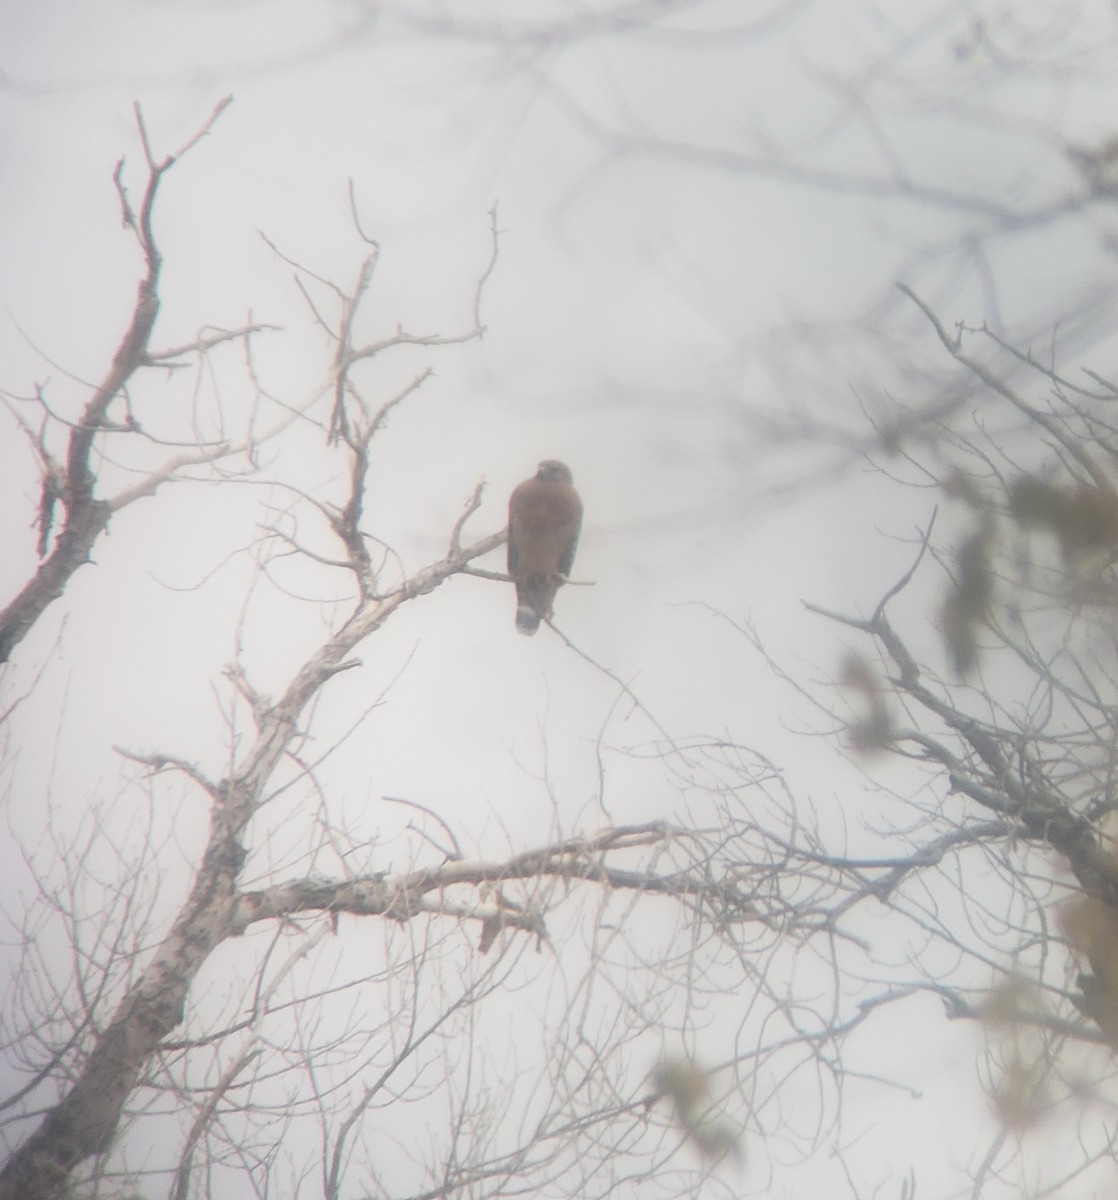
(527, 620)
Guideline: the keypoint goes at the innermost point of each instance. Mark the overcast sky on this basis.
(703, 209)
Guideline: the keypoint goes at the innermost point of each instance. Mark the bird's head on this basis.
(553, 471)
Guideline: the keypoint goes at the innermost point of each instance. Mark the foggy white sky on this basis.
(648, 316)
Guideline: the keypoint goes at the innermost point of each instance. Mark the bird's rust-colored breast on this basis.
(544, 520)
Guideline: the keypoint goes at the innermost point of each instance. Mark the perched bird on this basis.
(545, 516)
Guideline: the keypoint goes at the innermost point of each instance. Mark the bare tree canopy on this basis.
(782, 861)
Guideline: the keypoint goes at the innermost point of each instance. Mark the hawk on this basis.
(545, 515)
